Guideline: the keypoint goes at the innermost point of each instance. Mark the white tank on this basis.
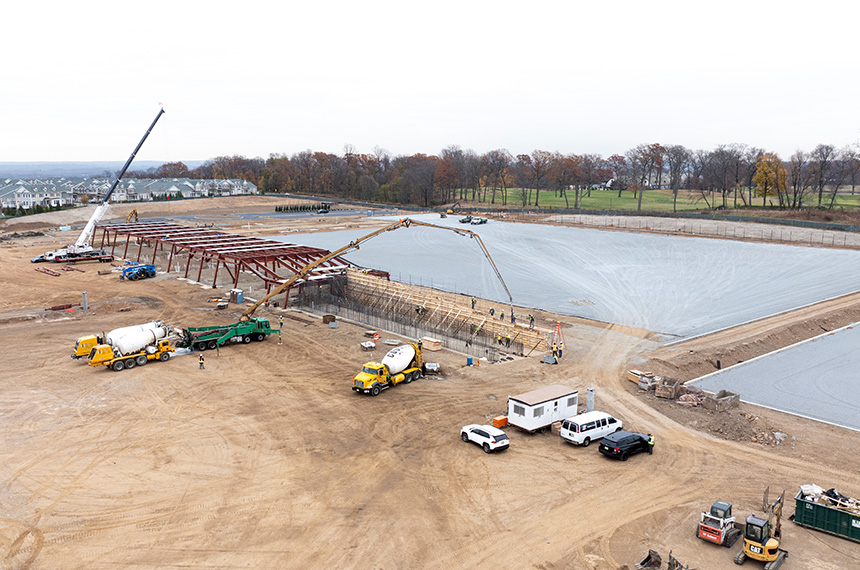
(399, 358)
(136, 340)
(115, 334)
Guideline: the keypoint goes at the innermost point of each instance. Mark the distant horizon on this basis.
(77, 168)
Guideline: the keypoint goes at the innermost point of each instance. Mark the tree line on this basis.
(734, 175)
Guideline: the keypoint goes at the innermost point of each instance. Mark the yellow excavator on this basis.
(402, 223)
(762, 535)
(132, 216)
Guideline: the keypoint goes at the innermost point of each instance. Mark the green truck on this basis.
(827, 511)
(215, 336)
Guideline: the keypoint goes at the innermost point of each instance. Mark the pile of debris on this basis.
(16, 235)
(684, 395)
(830, 497)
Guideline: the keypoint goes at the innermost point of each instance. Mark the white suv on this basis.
(488, 437)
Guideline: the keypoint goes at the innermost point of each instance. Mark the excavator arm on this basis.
(355, 244)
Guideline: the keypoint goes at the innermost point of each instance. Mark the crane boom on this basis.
(403, 223)
(83, 242)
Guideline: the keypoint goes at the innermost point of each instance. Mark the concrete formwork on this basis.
(449, 311)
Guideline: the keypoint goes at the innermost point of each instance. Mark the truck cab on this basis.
(372, 377)
(84, 345)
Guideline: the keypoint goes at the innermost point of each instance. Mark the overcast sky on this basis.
(82, 80)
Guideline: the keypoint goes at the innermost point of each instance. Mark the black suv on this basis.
(622, 444)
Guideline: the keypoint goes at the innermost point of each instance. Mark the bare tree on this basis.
(678, 160)
(799, 179)
(821, 160)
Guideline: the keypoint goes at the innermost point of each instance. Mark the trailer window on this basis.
(538, 411)
(571, 402)
(519, 410)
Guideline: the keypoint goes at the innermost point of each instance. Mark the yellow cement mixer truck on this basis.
(404, 363)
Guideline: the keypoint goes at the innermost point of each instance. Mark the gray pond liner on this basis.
(817, 378)
(676, 286)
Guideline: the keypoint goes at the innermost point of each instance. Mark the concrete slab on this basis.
(817, 378)
(677, 286)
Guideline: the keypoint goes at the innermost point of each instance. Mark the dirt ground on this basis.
(266, 459)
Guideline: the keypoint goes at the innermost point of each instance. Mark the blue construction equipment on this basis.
(137, 272)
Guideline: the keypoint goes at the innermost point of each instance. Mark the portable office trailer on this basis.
(539, 408)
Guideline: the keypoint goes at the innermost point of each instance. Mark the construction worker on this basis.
(499, 338)
(281, 321)
(531, 321)
(650, 444)
(508, 340)
(473, 303)
(513, 318)
(201, 360)
(554, 350)
(560, 349)
(502, 315)
(492, 311)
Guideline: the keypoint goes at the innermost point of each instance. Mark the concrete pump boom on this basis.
(404, 223)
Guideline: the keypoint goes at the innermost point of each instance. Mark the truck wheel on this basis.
(246, 339)
(486, 448)
(165, 356)
(586, 442)
(259, 337)
(129, 363)
(374, 391)
(140, 360)
(151, 273)
(409, 378)
(624, 456)
(118, 365)
(212, 344)
(200, 346)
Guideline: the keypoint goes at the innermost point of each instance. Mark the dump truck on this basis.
(215, 336)
(404, 363)
(719, 526)
(134, 348)
(85, 344)
(827, 511)
(137, 272)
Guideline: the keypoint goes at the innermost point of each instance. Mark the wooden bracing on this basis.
(424, 303)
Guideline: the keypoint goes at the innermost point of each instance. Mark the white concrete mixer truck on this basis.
(84, 345)
(404, 363)
(133, 348)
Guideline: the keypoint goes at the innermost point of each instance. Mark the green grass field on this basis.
(657, 201)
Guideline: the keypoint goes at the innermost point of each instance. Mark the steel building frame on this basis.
(236, 253)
